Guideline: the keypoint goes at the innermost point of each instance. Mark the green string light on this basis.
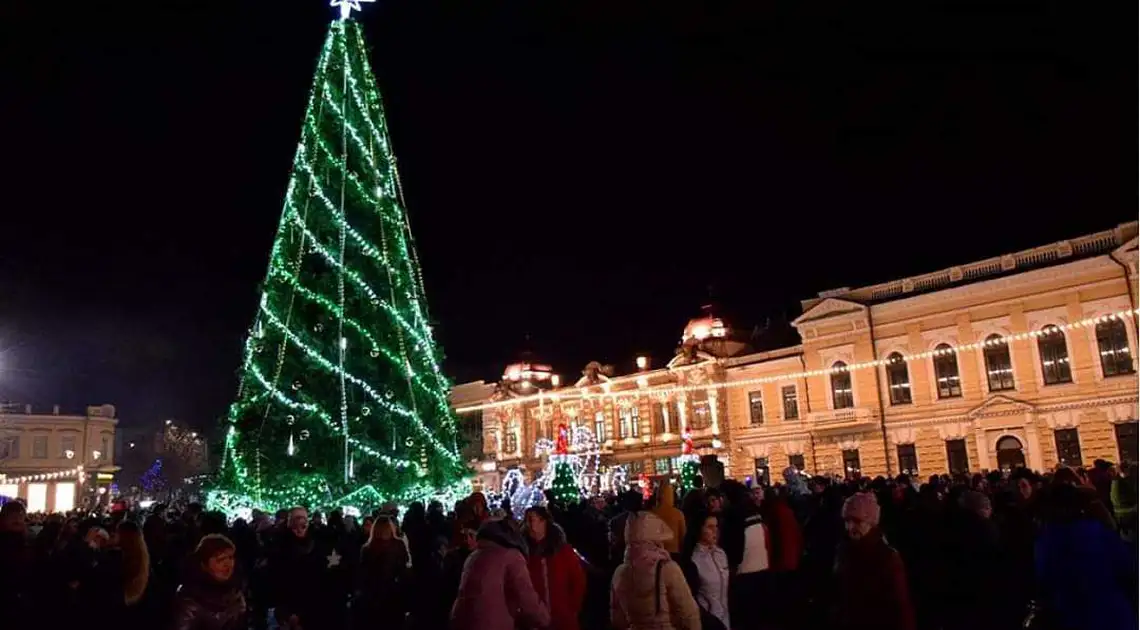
(353, 364)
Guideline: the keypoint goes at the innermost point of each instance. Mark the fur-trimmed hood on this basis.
(501, 533)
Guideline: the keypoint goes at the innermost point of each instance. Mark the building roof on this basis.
(1086, 246)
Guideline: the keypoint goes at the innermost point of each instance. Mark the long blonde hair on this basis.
(136, 561)
(384, 523)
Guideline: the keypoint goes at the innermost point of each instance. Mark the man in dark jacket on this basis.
(304, 594)
(629, 503)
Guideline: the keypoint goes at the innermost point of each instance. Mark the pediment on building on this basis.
(999, 405)
(690, 357)
(831, 307)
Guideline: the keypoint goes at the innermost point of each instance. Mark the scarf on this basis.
(645, 554)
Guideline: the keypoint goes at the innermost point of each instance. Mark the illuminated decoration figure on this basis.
(342, 401)
(582, 455)
(615, 479)
(646, 486)
(522, 495)
(690, 461)
(563, 446)
(565, 483)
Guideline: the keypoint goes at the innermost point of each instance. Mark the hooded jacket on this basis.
(674, 518)
(495, 591)
(649, 591)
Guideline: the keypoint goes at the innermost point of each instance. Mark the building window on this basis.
(763, 475)
(701, 415)
(841, 386)
(898, 380)
(630, 421)
(791, 403)
(661, 466)
(999, 367)
(512, 445)
(633, 469)
(1112, 343)
(106, 448)
(39, 447)
(660, 418)
(1054, 356)
(908, 459)
(756, 408)
(1068, 447)
(956, 457)
(946, 371)
(10, 447)
(851, 466)
(796, 461)
(600, 425)
(1128, 441)
(67, 444)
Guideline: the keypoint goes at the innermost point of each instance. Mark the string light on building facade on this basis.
(585, 394)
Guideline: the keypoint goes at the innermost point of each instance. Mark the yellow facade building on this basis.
(1023, 359)
(56, 462)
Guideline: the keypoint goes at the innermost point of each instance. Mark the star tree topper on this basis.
(348, 6)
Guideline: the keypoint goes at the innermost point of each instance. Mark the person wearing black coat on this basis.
(383, 579)
(304, 591)
(211, 598)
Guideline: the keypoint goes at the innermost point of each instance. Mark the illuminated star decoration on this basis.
(348, 6)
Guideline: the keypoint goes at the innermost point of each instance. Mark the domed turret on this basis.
(528, 375)
(711, 334)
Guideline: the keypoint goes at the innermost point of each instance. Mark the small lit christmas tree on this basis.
(565, 486)
(153, 480)
(342, 401)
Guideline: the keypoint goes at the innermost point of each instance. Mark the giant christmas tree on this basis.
(341, 401)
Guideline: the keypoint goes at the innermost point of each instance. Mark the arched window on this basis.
(841, 386)
(1054, 356)
(1112, 343)
(999, 368)
(946, 371)
(898, 380)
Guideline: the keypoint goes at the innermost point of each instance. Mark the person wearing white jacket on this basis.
(710, 588)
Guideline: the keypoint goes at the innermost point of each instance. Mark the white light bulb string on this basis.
(584, 394)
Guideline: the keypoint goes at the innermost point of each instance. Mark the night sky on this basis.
(583, 172)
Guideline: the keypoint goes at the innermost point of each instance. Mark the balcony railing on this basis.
(841, 417)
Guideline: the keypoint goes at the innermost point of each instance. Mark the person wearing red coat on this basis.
(787, 539)
(873, 592)
(555, 570)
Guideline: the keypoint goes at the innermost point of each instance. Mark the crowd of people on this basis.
(996, 551)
